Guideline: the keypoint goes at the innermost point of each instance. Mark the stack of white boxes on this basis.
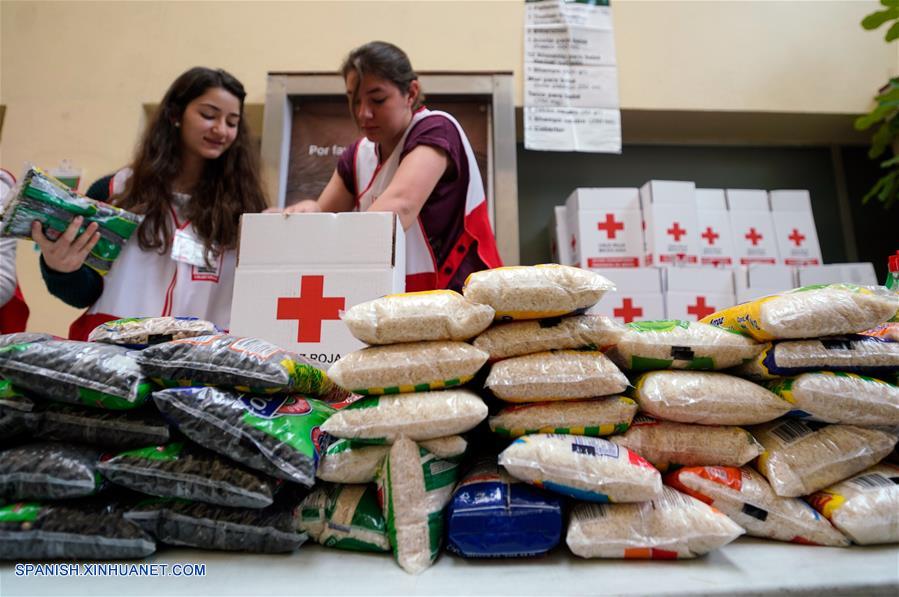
(606, 227)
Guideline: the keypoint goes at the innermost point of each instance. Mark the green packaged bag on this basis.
(345, 517)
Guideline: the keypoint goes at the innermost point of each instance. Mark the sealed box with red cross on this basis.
(693, 293)
(559, 238)
(756, 281)
(606, 227)
(296, 273)
(794, 224)
(716, 241)
(753, 228)
(669, 215)
(638, 295)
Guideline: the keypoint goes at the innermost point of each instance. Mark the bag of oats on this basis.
(104, 428)
(349, 461)
(417, 415)
(864, 507)
(345, 517)
(675, 344)
(87, 373)
(278, 435)
(48, 471)
(245, 364)
(411, 367)
(665, 444)
(853, 353)
(672, 526)
(587, 468)
(536, 291)
(590, 416)
(417, 317)
(810, 312)
(834, 397)
(140, 332)
(414, 486)
(706, 397)
(747, 498)
(518, 338)
(559, 375)
(802, 457)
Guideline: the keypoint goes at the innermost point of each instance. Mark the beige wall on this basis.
(74, 75)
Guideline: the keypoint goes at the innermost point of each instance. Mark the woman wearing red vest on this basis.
(416, 163)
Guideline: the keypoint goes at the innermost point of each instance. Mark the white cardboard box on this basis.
(559, 239)
(753, 228)
(716, 240)
(638, 296)
(607, 227)
(693, 293)
(755, 281)
(834, 273)
(794, 224)
(297, 272)
(671, 229)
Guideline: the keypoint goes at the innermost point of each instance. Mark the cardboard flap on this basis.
(791, 200)
(710, 200)
(674, 192)
(604, 198)
(747, 200)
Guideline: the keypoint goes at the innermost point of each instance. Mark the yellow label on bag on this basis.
(745, 319)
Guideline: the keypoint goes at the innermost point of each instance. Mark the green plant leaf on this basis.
(892, 32)
(880, 141)
(890, 162)
(876, 19)
(890, 3)
(873, 117)
(892, 95)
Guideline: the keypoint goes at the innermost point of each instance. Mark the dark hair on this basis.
(230, 184)
(383, 60)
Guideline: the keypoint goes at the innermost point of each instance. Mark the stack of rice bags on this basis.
(404, 433)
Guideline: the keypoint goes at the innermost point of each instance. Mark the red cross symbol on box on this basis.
(796, 237)
(676, 231)
(700, 309)
(710, 235)
(628, 311)
(753, 236)
(610, 226)
(310, 309)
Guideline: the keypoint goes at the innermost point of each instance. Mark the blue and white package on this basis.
(493, 515)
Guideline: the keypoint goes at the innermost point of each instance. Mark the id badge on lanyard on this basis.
(187, 248)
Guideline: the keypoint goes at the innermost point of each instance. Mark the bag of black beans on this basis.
(17, 416)
(105, 428)
(278, 435)
(179, 470)
(24, 337)
(48, 471)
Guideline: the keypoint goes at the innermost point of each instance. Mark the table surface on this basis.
(745, 567)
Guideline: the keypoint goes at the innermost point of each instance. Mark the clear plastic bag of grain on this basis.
(583, 467)
(140, 332)
(810, 312)
(536, 291)
(672, 526)
(418, 317)
(834, 397)
(418, 416)
(854, 353)
(802, 457)
(865, 507)
(411, 367)
(665, 444)
(345, 517)
(349, 461)
(558, 375)
(517, 338)
(590, 416)
(676, 344)
(707, 398)
(747, 498)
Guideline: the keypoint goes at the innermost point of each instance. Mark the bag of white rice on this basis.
(853, 353)
(416, 317)
(348, 461)
(559, 375)
(140, 332)
(517, 338)
(865, 507)
(810, 312)
(802, 457)
(411, 367)
(745, 496)
(418, 416)
(414, 486)
(706, 397)
(345, 517)
(537, 291)
(672, 526)
(587, 468)
(590, 416)
(834, 397)
(664, 444)
(675, 344)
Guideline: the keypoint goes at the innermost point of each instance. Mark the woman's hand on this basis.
(68, 252)
(304, 207)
